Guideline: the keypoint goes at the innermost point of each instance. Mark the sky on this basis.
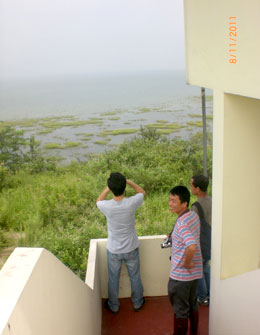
(59, 37)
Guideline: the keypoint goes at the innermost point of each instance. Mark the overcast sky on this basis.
(81, 36)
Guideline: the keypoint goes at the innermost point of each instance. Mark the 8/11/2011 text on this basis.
(232, 39)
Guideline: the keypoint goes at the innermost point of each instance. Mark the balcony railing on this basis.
(39, 295)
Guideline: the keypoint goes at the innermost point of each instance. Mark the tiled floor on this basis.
(155, 318)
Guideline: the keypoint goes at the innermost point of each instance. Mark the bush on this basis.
(56, 209)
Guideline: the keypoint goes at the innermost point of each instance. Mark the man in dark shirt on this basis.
(199, 185)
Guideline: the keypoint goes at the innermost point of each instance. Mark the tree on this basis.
(12, 150)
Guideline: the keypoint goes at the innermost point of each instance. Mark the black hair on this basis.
(182, 192)
(116, 183)
(201, 181)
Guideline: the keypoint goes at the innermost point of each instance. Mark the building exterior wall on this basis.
(235, 264)
(207, 42)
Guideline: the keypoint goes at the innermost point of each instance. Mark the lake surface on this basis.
(107, 102)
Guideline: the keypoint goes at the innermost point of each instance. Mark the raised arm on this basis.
(103, 195)
(137, 188)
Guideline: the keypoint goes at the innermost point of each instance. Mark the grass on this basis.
(114, 118)
(171, 127)
(56, 125)
(208, 117)
(110, 113)
(55, 209)
(173, 110)
(195, 124)
(119, 132)
(54, 145)
(144, 110)
(102, 142)
(162, 121)
(45, 131)
(84, 134)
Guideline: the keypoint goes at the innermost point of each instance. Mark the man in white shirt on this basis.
(122, 244)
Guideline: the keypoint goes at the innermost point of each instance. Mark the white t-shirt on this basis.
(120, 215)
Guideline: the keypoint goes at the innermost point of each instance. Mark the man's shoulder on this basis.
(104, 203)
(187, 217)
(205, 200)
(137, 196)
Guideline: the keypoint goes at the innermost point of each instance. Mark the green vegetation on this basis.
(66, 145)
(119, 132)
(103, 142)
(208, 117)
(168, 127)
(45, 131)
(114, 118)
(195, 124)
(54, 206)
(162, 121)
(144, 110)
(174, 110)
(56, 125)
(110, 113)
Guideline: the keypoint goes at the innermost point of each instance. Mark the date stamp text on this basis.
(232, 30)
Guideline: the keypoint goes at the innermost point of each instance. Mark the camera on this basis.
(167, 243)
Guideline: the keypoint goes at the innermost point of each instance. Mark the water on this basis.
(134, 99)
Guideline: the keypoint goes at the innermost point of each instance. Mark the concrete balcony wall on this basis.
(39, 295)
(155, 267)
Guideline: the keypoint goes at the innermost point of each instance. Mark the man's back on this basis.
(120, 215)
(206, 205)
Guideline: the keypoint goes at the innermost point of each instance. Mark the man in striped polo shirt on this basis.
(186, 262)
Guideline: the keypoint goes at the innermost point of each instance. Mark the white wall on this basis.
(235, 274)
(39, 295)
(207, 45)
(155, 268)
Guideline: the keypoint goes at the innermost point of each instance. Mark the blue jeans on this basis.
(114, 262)
(204, 282)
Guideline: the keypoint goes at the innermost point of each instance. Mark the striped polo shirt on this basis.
(185, 233)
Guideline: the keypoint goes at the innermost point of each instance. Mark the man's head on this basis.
(199, 183)
(179, 199)
(116, 183)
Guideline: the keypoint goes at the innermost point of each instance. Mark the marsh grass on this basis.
(45, 131)
(102, 142)
(119, 132)
(110, 113)
(66, 145)
(173, 110)
(144, 110)
(84, 134)
(166, 126)
(75, 124)
(162, 121)
(195, 123)
(114, 118)
(208, 117)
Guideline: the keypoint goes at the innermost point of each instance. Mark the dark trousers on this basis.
(183, 297)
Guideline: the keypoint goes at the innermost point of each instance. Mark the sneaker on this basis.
(106, 305)
(203, 302)
(139, 308)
